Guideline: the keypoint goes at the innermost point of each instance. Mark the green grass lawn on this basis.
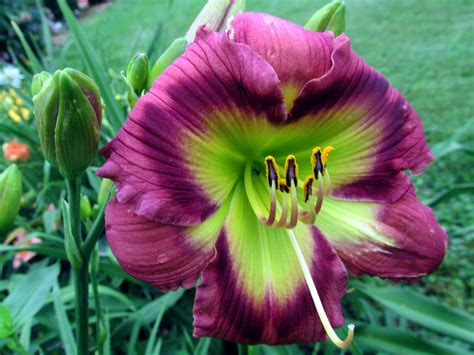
(424, 47)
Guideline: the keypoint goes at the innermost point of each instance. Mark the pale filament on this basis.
(271, 216)
(294, 206)
(284, 212)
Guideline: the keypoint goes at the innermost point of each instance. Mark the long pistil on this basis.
(342, 344)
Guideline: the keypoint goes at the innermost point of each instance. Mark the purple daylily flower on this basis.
(223, 166)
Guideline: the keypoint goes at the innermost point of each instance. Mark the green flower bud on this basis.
(104, 189)
(10, 197)
(39, 80)
(215, 15)
(68, 117)
(174, 51)
(85, 208)
(137, 72)
(331, 17)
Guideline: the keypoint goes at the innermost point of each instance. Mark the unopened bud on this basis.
(137, 72)
(39, 80)
(104, 189)
(331, 17)
(10, 197)
(174, 51)
(68, 118)
(215, 15)
(85, 209)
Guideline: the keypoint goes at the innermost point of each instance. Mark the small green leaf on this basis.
(6, 322)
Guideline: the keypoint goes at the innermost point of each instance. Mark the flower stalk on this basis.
(80, 270)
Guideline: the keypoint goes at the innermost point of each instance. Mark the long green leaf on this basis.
(422, 310)
(46, 32)
(64, 326)
(34, 62)
(30, 293)
(94, 65)
(394, 341)
(453, 191)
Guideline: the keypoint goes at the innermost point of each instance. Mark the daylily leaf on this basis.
(395, 341)
(422, 310)
(30, 293)
(447, 194)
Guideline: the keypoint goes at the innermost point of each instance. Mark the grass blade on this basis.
(64, 326)
(447, 194)
(34, 62)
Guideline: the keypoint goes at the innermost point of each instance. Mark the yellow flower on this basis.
(14, 116)
(25, 113)
(19, 102)
(12, 93)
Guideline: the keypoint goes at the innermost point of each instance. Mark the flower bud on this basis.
(174, 51)
(10, 197)
(137, 72)
(104, 189)
(331, 17)
(38, 82)
(85, 209)
(215, 15)
(68, 118)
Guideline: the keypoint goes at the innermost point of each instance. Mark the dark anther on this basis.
(291, 171)
(272, 171)
(318, 166)
(284, 186)
(308, 188)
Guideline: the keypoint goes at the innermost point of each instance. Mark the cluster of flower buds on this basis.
(68, 114)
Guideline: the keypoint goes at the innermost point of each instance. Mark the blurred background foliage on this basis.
(424, 47)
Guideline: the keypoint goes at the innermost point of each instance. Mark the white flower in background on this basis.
(11, 76)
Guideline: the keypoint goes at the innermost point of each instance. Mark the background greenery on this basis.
(426, 50)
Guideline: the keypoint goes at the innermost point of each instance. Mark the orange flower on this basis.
(15, 151)
(18, 236)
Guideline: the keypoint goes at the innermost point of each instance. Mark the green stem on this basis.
(97, 228)
(81, 285)
(80, 272)
(95, 292)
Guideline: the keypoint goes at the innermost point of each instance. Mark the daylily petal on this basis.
(166, 256)
(400, 240)
(154, 159)
(254, 290)
(375, 132)
(296, 54)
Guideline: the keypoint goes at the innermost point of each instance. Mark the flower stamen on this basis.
(291, 168)
(273, 178)
(284, 206)
(288, 185)
(308, 217)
